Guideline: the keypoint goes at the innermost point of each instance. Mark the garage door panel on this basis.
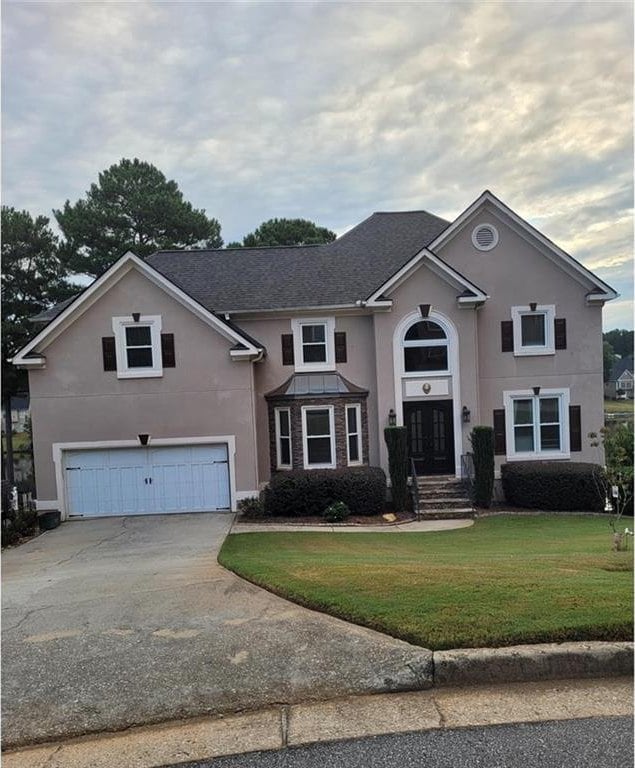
(120, 481)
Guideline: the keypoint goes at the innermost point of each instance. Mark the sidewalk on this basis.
(345, 718)
(411, 526)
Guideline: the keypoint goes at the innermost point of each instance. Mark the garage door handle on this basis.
(150, 480)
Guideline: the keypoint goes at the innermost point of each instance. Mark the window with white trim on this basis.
(425, 348)
(534, 330)
(283, 438)
(138, 346)
(318, 436)
(313, 344)
(537, 424)
(354, 434)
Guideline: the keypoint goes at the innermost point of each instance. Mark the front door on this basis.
(430, 428)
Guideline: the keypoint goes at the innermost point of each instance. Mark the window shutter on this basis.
(108, 352)
(340, 347)
(500, 446)
(287, 349)
(560, 332)
(167, 350)
(507, 336)
(575, 428)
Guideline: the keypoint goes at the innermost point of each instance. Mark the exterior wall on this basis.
(425, 287)
(270, 374)
(515, 273)
(74, 400)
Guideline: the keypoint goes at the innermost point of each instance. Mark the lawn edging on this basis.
(530, 663)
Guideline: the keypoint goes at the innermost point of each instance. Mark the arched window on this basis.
(425, 348)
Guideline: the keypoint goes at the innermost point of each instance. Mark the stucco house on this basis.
(182, 382)
(620, 383)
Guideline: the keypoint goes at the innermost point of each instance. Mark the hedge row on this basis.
(558, 486)
(299, 493)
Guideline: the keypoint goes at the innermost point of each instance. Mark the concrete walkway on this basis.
(415, 526)
(115, 622)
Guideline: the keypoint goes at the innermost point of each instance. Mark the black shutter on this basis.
(108, 352)
(287, 349)
(575, 428)
(560, 332)
(340, 347)
(500, 444)
(507, 336)
(167, 350)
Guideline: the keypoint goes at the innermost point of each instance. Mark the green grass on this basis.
(20, 442)
(506, 580)
(618, 406)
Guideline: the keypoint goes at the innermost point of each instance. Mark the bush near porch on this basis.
(505, 580)
(303, 493)
(553, 486)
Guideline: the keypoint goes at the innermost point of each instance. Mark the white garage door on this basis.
(141, 481)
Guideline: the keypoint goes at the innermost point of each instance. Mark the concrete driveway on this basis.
(122, 621)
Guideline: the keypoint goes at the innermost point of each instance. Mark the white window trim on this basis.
(279, 464)
(563, 396)
(423, 343)
(329, 336)
(494, 232)
(549, 348)
(119, 325)
(305, 446)
(358, 417)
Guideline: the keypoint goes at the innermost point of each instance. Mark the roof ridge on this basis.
(247, 248)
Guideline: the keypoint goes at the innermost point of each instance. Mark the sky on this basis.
(330, 111)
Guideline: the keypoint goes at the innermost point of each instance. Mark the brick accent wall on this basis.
(339, 403)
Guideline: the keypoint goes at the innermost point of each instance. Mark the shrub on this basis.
(299, 493)
(552, 485)
(482, 439)
(251, 507)
(21, 523)
(336, 512)
(397, 441)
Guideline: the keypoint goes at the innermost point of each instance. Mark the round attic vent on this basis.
(485, 237)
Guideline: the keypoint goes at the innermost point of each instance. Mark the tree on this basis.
(609, 359)
(33, 278)
(482, 439)
(621, 341)
(286, 232)
(397, 441)
(132, 207)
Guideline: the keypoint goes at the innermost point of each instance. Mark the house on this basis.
(620, 383)
(183, 382)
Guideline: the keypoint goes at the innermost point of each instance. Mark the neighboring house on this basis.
(19, 413)
(620, 383)
(182, 382)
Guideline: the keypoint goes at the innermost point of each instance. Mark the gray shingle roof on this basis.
(621, 365)
(302, 384)
(350, 268)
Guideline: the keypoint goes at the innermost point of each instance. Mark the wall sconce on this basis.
(536, 391)
(136, 316)
(533, 305)
(392, 418)
(144, 439)
(466, 414)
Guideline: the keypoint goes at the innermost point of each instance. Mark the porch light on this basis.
(466, 414)
(143, 439)
(392, 418)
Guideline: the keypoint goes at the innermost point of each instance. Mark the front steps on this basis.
(443, 497)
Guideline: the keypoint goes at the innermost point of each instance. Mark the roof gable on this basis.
(31, 354)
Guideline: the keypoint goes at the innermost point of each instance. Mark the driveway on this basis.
(122, 621)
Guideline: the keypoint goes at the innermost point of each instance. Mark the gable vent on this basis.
(485, 237)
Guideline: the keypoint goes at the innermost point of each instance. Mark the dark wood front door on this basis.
(430, 428)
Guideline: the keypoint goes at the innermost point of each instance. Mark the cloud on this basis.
(331, 111)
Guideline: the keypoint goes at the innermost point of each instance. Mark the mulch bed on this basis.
(401, 517)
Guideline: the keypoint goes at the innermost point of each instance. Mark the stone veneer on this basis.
(339, 401)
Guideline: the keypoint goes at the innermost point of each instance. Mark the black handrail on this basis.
(414, 489)
(467, 472)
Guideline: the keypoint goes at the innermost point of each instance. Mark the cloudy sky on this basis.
(330, 111)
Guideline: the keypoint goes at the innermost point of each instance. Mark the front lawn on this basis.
(506, 580)
(618, 406)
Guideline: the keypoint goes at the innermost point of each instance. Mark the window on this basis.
(534, 330)
(138, 346)
(354, 434)
(283, 438)
(537, 424)
(425, 348)
(313, 344)
(318, 434)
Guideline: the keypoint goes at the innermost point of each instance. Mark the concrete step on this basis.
(446, 514)
(445, 492)
(454, 503)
